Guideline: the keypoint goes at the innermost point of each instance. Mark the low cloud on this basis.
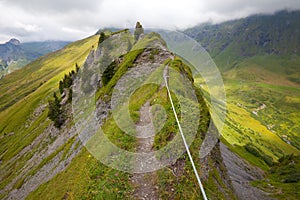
(35, 20)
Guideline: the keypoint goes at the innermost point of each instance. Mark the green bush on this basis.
(287, 169)
(258, 153)
(102, 37)
(292, 178)
(109, 73)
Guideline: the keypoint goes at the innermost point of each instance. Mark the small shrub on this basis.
(102, 37)
(258, 153)
(292, 178)
(109, 73)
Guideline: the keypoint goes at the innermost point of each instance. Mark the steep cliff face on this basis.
(241, 174)
(56, 165)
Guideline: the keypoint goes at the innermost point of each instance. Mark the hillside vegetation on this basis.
(259, 58)
(42, 156)
(51, 163)
(24, 95)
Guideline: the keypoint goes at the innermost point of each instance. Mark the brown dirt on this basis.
(145, 183)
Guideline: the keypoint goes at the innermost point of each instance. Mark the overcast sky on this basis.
(36, 20)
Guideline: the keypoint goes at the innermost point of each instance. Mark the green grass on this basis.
(95, 180)
(139, 98)
(267, 79)
(13, 168)
(283, 181)
(121, 70)
(22, 92)
(259, 69)
(86, 178)
(184, 185)
(65, 184)
(64, 149)
(280, 117)
(102, 182)
(18, 103)
(270, 69)
(29, 86)
(273, 132)
(90, 179)
(243, 127)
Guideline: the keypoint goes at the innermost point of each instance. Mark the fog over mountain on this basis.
(36, 20)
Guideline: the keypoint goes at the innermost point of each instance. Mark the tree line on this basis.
(56, 110)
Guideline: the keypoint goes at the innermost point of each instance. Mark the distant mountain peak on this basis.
(15, 55)
(14, 41)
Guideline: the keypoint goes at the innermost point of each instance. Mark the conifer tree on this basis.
(102, 37)
(61, 87)
(77, 68)
(55, 111)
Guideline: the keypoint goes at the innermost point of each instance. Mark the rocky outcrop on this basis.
(241, 173)
(14, 42)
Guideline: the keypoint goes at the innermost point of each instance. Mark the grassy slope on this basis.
(96, 181)
(260, 61)
(283, 180)
(85, 178)
(257, 34)
(268, 80)
(274, 131)
(273, 81)
(271, 69)
(23, 91)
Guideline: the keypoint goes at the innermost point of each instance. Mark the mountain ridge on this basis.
(62, 148)
(276, 33)
(77, 174)
(15, 55)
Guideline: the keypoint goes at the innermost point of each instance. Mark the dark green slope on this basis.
(272, 34)
(233, 41)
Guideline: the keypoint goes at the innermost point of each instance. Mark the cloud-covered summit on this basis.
(34, 20)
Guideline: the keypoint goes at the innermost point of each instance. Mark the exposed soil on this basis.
(145, 183)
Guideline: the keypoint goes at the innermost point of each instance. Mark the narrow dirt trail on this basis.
(145, 183)
(146, 186)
